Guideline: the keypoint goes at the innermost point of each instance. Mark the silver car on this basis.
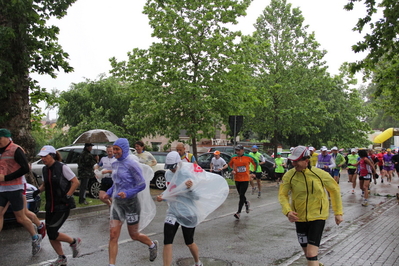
(70, 156)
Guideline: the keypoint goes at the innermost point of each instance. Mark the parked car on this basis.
(33, 204)
(70, 156)
(204, 160)
(159, 172)
(268, 167)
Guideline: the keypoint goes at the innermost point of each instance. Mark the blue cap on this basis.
(254, 147)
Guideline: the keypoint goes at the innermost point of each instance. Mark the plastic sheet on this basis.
(146, 203)
(191, 206)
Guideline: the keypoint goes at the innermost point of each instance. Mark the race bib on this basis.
(132, 218)
(170, 220)
(302, 238)
(241, 169)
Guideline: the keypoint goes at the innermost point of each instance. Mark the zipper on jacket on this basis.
(307, 197)
(51, 189)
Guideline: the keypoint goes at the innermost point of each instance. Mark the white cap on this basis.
(298, 153)
(324, 148)
(334, 148)
(172, 159)
(353, 150)
(46, 150)
(311, 148)
(292, 148)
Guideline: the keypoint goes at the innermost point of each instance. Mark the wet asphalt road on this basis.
(262, 237)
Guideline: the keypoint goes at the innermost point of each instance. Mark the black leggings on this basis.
(169, 232)
(242, 187)
(54, 221)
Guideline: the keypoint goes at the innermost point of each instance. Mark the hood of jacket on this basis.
(124, 145)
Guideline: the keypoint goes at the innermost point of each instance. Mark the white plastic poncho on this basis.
(189, 207)
(132, 178)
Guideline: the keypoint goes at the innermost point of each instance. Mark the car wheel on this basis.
(94, 189)
(160, 181)
(227, 175)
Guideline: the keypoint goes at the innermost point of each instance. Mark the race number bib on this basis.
(302, 238)
(132, 218)
(241, 169)
(170, 220)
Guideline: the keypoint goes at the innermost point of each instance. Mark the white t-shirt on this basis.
(67, 172)
(218, 164)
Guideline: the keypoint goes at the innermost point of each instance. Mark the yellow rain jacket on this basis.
(308, 194)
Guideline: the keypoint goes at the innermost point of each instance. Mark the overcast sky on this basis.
(95, 30)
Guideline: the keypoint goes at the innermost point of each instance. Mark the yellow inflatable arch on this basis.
(384, 136)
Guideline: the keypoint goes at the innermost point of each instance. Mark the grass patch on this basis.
(91, 201)
(230, 182)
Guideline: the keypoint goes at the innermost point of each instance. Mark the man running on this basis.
(240, 165)
(13, 165)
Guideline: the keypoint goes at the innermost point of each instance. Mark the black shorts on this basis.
(351, 171)
(106, 183)
(310, 232)
(367, 177)
(279, 175)
(14, 197)
(126, 209)
(257, 175)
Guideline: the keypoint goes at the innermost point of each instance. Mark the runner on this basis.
(366, 171)
(307, 187)
(59, 183)
(256, 173)
(352, 166)
(128, 181)
(240, 165)
(388, 165)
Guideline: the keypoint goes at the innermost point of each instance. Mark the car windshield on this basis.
(160, 157)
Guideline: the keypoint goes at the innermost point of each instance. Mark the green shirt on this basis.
(259, 158)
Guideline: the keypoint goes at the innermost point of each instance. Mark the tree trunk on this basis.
(194, 143)
(15, 116)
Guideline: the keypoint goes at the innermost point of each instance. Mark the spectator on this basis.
(86, 163)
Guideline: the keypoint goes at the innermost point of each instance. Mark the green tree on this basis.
(382, 47)
(27, 45)
(289, 75)
(94, 104)
(192, 79)
(383, 40)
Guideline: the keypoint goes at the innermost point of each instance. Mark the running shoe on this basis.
(36, 245)
(253, 190)
(76, 247)
(42, 230)
(382, 180)
(154, 251)
(259, 194)
(59, 262)
(198, 264)
(353, 191)
(247, 205)
(237, 215)
(365, 203)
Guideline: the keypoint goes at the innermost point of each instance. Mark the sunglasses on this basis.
(170, 166)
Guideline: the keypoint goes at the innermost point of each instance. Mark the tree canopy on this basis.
(27, 45)
(299, 101)
(192, 79)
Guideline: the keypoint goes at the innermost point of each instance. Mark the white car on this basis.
(70, 156)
